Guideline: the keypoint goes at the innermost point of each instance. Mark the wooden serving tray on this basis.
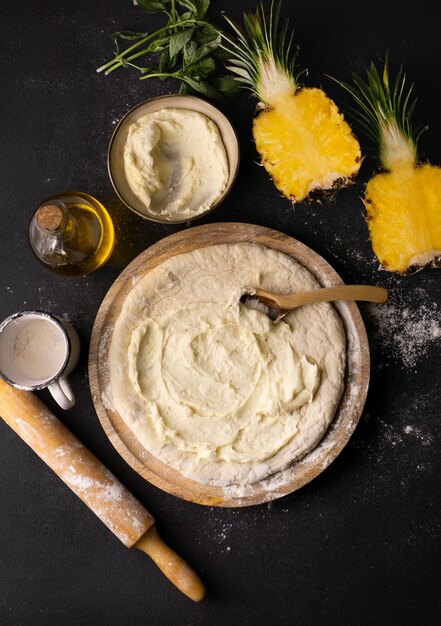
(299, 473)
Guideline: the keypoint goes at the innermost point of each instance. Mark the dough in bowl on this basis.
(213, 388)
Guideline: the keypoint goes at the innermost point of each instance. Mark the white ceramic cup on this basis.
(39, 350)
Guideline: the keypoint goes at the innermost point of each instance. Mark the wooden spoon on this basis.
(278, 305)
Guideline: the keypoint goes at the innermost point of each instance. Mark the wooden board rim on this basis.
(347, 414)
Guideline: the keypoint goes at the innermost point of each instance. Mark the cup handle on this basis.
(62, 393)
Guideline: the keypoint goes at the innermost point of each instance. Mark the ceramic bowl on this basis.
(115, 161)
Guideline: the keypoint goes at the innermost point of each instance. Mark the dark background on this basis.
(358, 545)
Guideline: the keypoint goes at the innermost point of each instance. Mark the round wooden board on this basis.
(299, 473)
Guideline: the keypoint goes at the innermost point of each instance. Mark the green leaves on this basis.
(202, 7)
(187, 48)
(126, 35)
(220, 89)
(193, 54)
(203, 87)
(380, 102)
(198, 8)
(164, 60)
(152, 6)
(178, 41)
(227, 86)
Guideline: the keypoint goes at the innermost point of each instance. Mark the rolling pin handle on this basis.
(171, 565)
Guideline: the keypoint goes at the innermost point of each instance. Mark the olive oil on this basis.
(71, 234)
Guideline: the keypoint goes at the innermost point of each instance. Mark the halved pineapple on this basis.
(404, 214)
(403, 203)
(304, 142)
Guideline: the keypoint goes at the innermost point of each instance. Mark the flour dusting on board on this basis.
(103, 348)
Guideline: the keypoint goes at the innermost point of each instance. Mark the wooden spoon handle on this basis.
(328, 294)
(171, 565)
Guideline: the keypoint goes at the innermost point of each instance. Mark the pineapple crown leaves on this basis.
(255, 57)
(385, 109)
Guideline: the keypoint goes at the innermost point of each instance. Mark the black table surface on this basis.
(358, 545)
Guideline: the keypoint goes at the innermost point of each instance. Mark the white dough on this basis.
(213, 388)
(175, 163)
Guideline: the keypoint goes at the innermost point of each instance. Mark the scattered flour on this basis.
(407, 333)
(358, 256)
(401, 445)
(230, 529)
(424, 438)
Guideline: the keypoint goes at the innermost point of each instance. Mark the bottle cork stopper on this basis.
(50, 216)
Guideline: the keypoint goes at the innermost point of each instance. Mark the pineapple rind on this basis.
(305, 144)
(404, 217)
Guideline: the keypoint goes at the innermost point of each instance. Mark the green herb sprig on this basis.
(187, 48)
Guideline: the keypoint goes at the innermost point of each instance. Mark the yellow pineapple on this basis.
(304, 142)
(403, 202)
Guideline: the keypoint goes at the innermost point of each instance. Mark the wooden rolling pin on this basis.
(93, 483)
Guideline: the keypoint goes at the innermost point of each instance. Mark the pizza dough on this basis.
(213, 388)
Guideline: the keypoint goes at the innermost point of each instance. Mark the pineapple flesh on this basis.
(404, 216)
(403, 202)
(304, 142)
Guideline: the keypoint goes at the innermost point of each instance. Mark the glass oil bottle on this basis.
(71, 234)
